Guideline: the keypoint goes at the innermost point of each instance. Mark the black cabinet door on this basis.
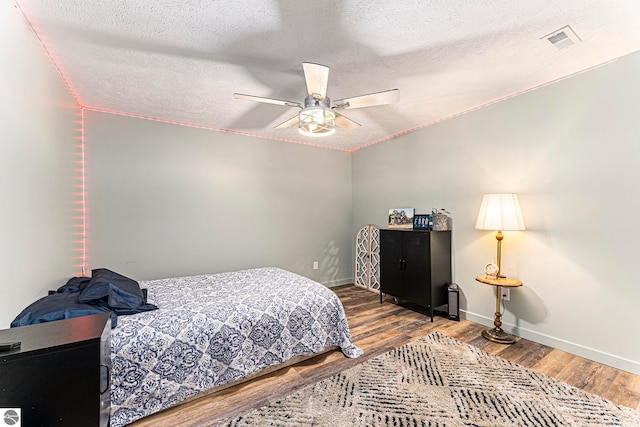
(391, 263)
(417, 268)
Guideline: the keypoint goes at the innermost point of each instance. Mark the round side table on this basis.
(497, 334)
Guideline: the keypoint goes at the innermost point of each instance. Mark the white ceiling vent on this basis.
(563, 38)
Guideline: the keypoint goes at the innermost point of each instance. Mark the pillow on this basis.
(57, 306)
(117, 291)
(75, 284)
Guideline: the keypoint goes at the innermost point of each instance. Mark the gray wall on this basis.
(167, 200)
(37, 138)
(571, 151)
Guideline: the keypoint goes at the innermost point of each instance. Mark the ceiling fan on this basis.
(317, 117)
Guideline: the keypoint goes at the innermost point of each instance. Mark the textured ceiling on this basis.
(183, 60)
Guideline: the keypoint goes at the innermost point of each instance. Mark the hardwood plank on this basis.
(524, 352)
(554, 363)
(591, 376)
(377, 328)
(625, 390)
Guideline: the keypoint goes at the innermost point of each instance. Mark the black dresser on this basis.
(60, 375)
(415, 266)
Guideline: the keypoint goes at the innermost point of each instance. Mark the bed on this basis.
(212, 330)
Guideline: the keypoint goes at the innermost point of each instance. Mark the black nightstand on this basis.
(60, 375)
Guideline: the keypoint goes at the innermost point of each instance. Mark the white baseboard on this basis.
(573, 348)
(338, 282)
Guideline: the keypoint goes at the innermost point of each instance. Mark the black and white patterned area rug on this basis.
(440, 381)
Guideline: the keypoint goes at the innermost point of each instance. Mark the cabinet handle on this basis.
(400, 264)
(404, 264)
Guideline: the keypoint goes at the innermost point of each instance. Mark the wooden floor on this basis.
(378, 328)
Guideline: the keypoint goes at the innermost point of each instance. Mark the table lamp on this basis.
(500, 212)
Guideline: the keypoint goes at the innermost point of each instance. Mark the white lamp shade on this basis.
(500, 212)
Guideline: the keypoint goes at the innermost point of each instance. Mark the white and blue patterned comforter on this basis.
(213, 329)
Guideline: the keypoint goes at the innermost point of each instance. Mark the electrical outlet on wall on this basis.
(506, 294)
(315, 265)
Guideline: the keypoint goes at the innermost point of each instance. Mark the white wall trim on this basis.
(338, 282)
(568, 346)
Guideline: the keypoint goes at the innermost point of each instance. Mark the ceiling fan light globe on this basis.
(318, 132)
(317, 121)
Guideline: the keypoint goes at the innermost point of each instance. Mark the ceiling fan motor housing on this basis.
(316, 101)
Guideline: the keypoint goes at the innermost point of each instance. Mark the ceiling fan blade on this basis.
(267, 100)
(370, 100)
(289, 122)
(346, 123)
(317, 78)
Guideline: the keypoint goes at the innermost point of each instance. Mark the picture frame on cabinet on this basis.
(401, 218)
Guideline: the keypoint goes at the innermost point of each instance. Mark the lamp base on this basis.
(499, 336)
